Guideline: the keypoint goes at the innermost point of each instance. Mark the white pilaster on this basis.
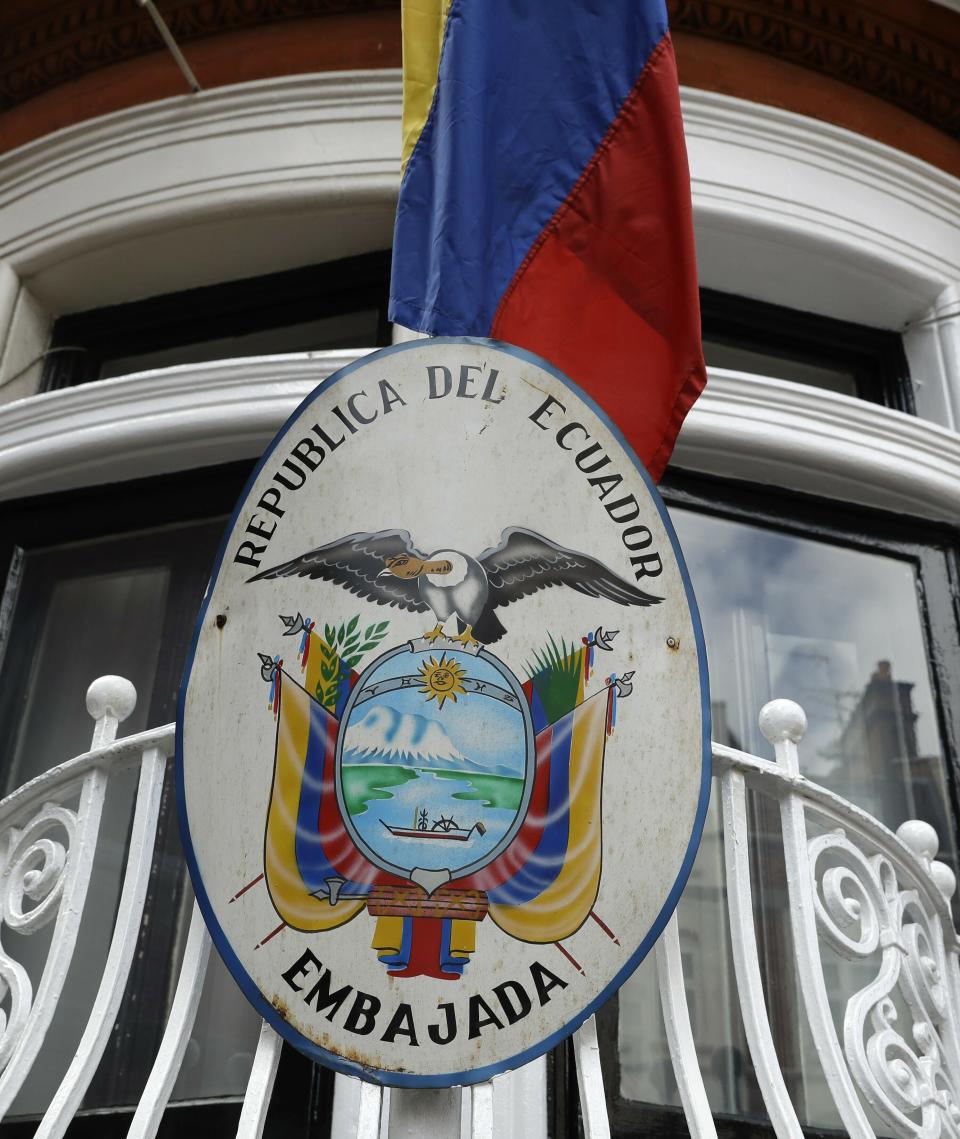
(9, 288)
(932, 344)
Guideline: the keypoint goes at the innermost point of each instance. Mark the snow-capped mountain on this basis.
(386, 735)
(389, 734)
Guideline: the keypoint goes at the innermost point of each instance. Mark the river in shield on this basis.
(431, 803)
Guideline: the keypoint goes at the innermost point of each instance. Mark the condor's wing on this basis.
(355, 563)
(525, 562)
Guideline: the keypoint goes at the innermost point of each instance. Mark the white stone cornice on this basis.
(163, 195)
(790, 136)
(286, 142)
(362, 97)
(868, 178)
(743, 427)
(154, 422)
(822, 443)
(813, 216)
(343, 95)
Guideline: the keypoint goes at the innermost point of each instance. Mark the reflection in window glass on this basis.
(94, 625)
(839, 631)
(120, 605)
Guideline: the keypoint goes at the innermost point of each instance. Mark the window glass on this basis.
(93, 625)
(841, 631)
(354, 330)
(747, 335)
(337, 304)
(741, 359)
(125, 605)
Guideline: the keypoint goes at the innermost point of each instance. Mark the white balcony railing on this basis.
(889, 1048)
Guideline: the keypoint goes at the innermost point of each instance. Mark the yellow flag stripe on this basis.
(288, 892)
(387, 935)
(463, 937)
(312, 678)
(563, 907)
(422, 28)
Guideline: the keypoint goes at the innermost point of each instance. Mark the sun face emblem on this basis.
(442, 680)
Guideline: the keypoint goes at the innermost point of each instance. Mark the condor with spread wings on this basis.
(386, 568)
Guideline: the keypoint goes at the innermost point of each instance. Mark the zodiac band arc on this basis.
(424, 782)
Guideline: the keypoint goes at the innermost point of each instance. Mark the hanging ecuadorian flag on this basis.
(545, 198)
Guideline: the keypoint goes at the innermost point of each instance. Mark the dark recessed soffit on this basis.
(69, 38)
(906, 52)
(911, 59)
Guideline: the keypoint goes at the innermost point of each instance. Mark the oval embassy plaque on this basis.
(443, 746)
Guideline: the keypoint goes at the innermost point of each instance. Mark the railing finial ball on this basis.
(111, 695)
(920, 837)
(782, 720)
(945, 879)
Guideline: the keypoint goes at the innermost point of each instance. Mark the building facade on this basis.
(178, 269)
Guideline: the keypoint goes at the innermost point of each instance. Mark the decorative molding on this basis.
(154, 422)
(72, 39)
(744, 427)
(860, 169)
(762, 178)
(204, 155)
(821, 443)
(788, 208)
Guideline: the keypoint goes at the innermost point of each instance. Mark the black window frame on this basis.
(81, 342)
(875, 356)
(302, 1099)
(934, 549)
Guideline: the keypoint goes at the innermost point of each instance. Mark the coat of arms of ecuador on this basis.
(443, 742)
